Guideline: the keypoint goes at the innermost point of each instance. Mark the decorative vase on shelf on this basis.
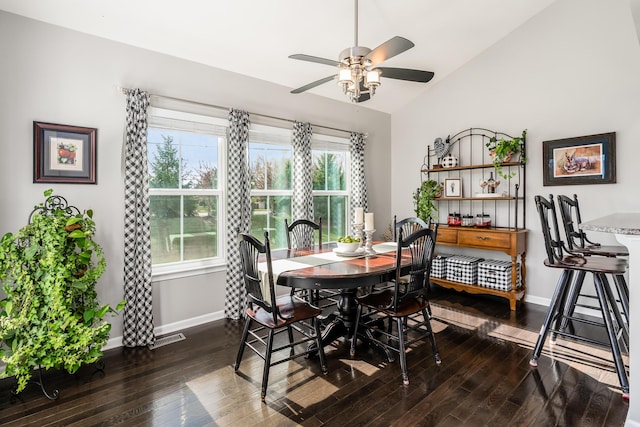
(492, 184)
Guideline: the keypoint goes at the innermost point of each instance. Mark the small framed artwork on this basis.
(453, 187)
(64, 154)
(582, 160)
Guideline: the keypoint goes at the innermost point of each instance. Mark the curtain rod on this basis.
(126, 91)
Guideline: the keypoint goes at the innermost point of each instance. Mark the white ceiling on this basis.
(255, 37)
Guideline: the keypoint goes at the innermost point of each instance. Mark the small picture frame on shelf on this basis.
(453, 187)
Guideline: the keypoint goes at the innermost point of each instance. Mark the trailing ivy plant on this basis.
(51, 316)
(423, 197)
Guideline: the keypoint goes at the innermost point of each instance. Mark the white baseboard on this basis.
(537, 300)
(116, 342)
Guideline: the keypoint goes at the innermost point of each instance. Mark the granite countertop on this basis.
(620, 223)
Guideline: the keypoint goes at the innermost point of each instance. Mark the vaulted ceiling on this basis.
(255, 37)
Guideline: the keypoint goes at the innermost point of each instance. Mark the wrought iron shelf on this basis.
(508, 233)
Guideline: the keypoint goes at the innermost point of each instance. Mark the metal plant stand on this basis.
(51, 396)
(52, 204)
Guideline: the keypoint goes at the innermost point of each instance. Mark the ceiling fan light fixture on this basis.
(345, 79)
(372, 80)
(344, 76)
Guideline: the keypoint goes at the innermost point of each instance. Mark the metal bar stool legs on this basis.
(555, 321)
(623, 298)
(623, 294)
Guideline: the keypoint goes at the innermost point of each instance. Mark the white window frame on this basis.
(180, 269)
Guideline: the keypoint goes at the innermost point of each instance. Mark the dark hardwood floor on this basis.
(484, 379)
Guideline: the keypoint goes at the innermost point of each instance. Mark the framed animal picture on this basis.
(582, 160)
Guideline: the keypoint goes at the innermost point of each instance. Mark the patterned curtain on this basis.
(138, 316)
(358, 181)
(302, 203)
(238, 209)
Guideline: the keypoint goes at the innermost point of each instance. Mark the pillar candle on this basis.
(359, 215)
(368, 221)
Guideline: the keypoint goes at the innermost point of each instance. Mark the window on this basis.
(186, 178)
(270, 175)
(330, 160)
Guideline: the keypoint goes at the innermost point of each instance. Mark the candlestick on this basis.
(368, 221)
(358, 215)
(368, 248)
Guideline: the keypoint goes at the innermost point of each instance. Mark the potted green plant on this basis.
(503, 150)
(51, 316)
(423, 197)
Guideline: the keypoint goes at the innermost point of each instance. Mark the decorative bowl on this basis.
(348, 247)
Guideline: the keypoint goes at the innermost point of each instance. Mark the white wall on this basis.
(572, 70)
(51, 74)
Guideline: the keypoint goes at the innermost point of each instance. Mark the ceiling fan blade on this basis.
(389, 49)
(315, 59)
(313, 84)
(406, 74)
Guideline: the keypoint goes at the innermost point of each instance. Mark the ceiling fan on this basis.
(358, 73)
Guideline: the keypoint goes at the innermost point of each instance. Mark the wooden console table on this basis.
(511, 242)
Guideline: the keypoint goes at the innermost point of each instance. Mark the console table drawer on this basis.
(484, 238)
(447, 235)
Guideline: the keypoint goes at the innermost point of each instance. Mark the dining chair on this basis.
(570, 263)
(406, 303)
(577, 241)
(301, 236)
(270, 315)
(407, 225)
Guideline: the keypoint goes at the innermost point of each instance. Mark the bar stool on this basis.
(570, 264)
(578, 242)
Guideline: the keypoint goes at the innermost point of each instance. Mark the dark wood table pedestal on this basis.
(340, 323)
